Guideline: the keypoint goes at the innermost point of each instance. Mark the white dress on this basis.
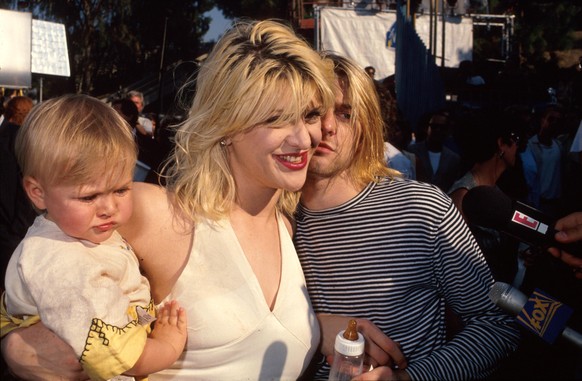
(232, 333)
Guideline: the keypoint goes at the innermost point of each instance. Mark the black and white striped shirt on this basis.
(396, 254)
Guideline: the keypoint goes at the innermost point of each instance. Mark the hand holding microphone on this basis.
(570, 227)
(569, 230)
(489, 207)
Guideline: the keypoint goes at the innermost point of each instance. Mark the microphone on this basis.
(489, 207)
(540, 313)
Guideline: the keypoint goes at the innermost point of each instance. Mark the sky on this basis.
(218, 25)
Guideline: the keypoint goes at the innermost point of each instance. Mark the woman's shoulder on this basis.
(153, 209)
(149, 201)
(159, 237)
(146, 190)
(467, 182)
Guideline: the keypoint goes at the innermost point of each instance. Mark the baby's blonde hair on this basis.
(74, 139)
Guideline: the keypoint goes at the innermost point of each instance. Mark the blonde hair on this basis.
(240, 85)
(72, 140)
(367, 162)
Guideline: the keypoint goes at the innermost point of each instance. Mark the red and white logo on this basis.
(529, 222)
(525, 220)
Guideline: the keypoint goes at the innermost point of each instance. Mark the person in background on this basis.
(490, 145)
(441, 166)
(397, 137)
(72, 269)
(512, 181)
(146, 126)
(397, 160)
(15, 111)
(146, 147)
(218, 238)
(392, 253)
(545, 182)
(16, 211)
(371, 71)
(128, 111)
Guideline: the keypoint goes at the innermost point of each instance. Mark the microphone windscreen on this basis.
(507, 298)
(487, 206)
(497, 291)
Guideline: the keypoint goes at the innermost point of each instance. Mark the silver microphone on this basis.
(512, 301)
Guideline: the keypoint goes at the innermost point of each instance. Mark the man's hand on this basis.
(569, 230)
(380, 349)
(383, 373)
(36, 353)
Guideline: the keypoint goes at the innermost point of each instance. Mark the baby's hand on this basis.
(171, 326)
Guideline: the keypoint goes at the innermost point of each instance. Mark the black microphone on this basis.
(489, 207)
(539, 313)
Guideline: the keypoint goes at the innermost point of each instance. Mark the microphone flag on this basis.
(544, 316)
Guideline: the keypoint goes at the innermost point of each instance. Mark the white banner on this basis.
(369, 38)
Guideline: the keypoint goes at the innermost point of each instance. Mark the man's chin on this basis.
(318, 174)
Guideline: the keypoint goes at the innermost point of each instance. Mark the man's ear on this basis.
(35, 192)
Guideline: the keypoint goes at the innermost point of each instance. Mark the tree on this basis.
(255, 9)
(116, 42)
(542, 26)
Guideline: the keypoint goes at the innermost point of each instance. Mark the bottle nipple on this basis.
(351, 333)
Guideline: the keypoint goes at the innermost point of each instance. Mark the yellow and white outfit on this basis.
(232, 333)
(89, 294)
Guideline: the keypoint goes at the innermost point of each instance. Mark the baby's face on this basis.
(90, 211)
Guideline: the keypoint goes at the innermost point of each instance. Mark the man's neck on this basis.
(545, 139)
(435, 147)
(324, 193)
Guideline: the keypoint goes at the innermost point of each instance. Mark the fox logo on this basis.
(544, 316)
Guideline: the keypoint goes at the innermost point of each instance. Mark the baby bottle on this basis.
(348, 359)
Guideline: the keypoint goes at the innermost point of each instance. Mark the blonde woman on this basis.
(219, 238)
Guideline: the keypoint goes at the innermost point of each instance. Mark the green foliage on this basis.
(541, 26)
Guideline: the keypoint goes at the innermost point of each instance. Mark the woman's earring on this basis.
(223, 142)
(500, 154)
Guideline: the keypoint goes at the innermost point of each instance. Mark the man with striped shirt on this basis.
(393, 253)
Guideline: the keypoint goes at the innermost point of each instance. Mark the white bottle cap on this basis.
(349, 347)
